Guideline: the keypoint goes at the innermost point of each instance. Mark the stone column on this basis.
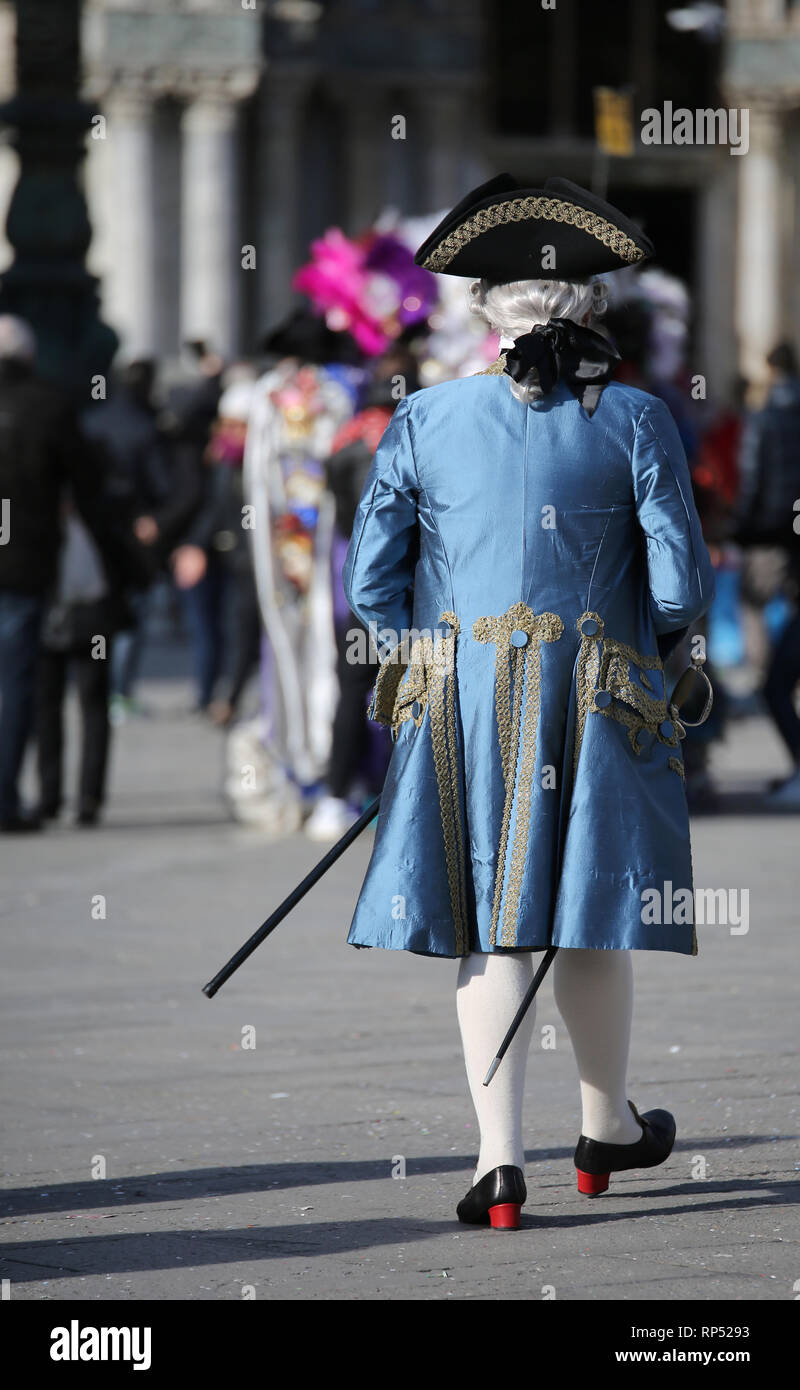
(644, 27)
(129, 283)
(9, 173)
(759, 267)
(280, 168)
(793, 266)
(9, 163)
(716, 272)
(562, 77)
(48, 224)
(211, 256)
(369, 141)
(446, 133)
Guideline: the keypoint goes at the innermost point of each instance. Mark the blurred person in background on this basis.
(43, 457)
(216, 549)
(191, 405)
(39, 452)
(716, 483)
(87, 610)
(648, 318)
(183, 428)
(125, 433)
(310, 389)
(366, 295)
(768, 514)
(351, 781)
(716, 475)
(187, 421)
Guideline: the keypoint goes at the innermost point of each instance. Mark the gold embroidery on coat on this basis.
(426, 677)
(517, 670)
(615, 677)
(447, 766)
(510, 760)
(650, 663)
(495, 368)
(384, 696)
(636, 710)
(604, 663)
(612, 672)
(462, 941)
(586, 676)
(519, 210)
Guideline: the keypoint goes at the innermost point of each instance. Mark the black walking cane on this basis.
(521, 1012)
(294, 897)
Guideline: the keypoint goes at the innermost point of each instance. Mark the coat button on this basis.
(644, 739)
(602, 698)
(666, 728)
(519, 638)
(589, 627)
(416, 709)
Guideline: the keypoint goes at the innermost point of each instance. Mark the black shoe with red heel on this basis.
(495, 1200)
(596, 1162)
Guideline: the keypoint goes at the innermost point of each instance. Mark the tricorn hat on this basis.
(500, 230)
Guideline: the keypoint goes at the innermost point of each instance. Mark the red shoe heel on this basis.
(592, 1184)
(506, 1216)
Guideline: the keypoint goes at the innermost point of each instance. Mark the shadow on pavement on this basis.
(141, 1251)
(197, 1183)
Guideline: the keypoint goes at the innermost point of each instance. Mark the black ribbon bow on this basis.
(564, 351)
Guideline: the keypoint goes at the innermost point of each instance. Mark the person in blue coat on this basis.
(525, 553)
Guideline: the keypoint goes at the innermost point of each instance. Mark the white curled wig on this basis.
(515, 308)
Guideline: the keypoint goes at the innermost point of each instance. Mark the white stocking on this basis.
(490, 989)
(594, 995)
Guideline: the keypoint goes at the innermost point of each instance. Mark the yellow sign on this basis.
(613, 121)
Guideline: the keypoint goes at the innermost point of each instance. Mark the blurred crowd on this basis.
(227, 498)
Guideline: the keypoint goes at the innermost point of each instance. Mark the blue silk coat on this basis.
(520, 566)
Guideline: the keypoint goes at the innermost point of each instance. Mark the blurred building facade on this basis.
(762, 73)
(238, 124)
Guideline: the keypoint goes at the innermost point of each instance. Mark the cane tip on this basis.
(493, 1068)
(209, 990)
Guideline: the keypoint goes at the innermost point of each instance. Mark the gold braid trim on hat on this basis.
(519, 210)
